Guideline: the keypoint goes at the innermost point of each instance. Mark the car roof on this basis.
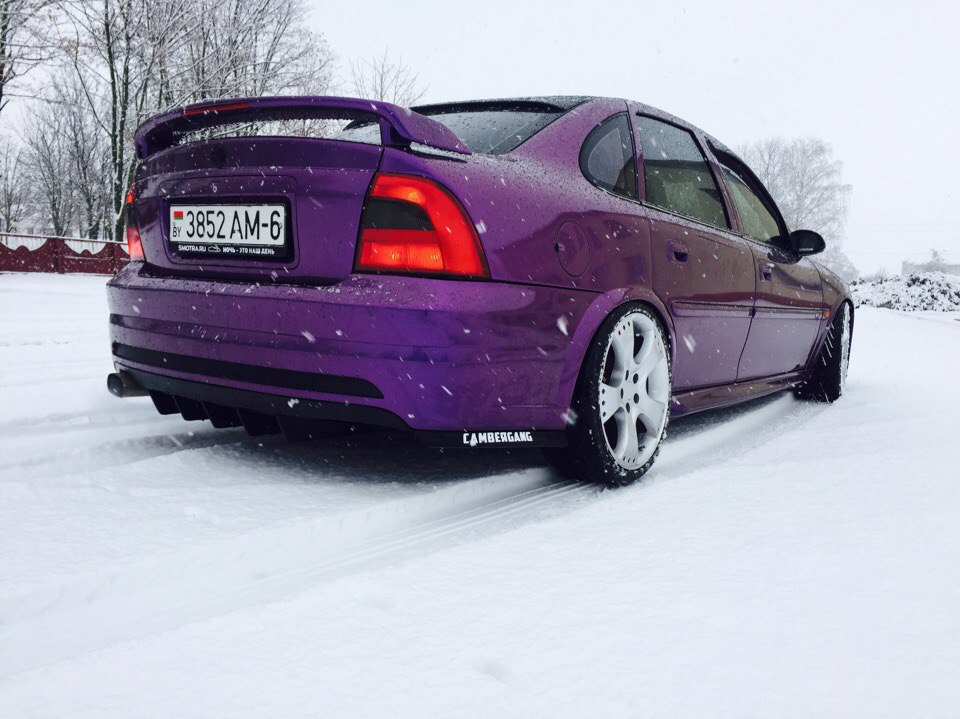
(560, 104)
(659, 114)
(539, 103)
(546, 103)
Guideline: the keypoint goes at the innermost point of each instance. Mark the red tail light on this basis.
(412, 225)
(134, 246)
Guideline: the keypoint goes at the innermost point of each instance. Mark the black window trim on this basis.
(713, 173)
(753, 182)
(633, 148)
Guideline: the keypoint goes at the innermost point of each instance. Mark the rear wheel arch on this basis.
(598, 312)
(660, 313)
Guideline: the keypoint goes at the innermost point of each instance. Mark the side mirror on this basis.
(806, 242)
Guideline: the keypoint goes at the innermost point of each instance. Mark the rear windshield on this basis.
(484, 130)
(289, 127)
(492, 132)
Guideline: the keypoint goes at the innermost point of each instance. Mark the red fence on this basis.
(38, 253)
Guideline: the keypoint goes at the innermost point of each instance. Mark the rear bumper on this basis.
(262, 413)
(437, 355)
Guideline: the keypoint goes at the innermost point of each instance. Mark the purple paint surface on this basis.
(446, 354)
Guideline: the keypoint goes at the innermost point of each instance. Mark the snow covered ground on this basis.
(781, 559)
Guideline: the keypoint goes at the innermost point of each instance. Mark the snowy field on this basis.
(781, 559)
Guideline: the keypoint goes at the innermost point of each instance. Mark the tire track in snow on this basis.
(84, 419)
(118, 453)
(722, 435)
(41, 377)
(263, 566)
(271, 564)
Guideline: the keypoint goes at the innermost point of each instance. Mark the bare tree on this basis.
(13, 190)
(23, 45)
(252, 47)
(382, 79)
(806, 181)
(48, 165)
(87, 157)
(89, 166)
(133, 58)
(115, 49)
(255, 47)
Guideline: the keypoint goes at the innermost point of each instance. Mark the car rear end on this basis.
(280, 280)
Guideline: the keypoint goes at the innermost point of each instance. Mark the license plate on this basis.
(238, 230)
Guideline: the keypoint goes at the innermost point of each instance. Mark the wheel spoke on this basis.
(628, 444)
(651, 411)
(609, 401)
(658, 384)
(651, 355)
(623, 348)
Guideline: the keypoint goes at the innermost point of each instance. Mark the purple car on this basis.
(556, 272)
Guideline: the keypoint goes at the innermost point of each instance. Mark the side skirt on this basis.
(704, 398)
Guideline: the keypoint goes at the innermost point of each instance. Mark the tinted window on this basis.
(490, 131)
(608, 159)
(366, 132)
(493, 132)
(676, 174)
(756, 218)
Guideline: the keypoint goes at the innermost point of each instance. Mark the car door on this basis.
(789, 299)
(702, 270)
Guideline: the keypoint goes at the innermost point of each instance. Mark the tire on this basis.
(625, 381)
(829, 374)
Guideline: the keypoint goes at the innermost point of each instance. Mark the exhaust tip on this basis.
(122, 384)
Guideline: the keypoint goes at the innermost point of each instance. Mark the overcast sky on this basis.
(881, 85)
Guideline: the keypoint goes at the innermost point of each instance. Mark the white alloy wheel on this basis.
(634, 390)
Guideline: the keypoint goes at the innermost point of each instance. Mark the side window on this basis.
(676, 174)
(608, 159)
(757, 219)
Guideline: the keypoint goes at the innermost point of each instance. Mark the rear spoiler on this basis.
(399, 126)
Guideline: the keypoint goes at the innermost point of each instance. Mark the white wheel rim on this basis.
(634, 390)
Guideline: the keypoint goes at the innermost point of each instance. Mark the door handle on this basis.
(766, 272)
(679, 252)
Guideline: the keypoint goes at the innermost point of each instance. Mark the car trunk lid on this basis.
(263, 207)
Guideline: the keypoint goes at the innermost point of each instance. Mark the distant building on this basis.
(938, 263)
(911, 267)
